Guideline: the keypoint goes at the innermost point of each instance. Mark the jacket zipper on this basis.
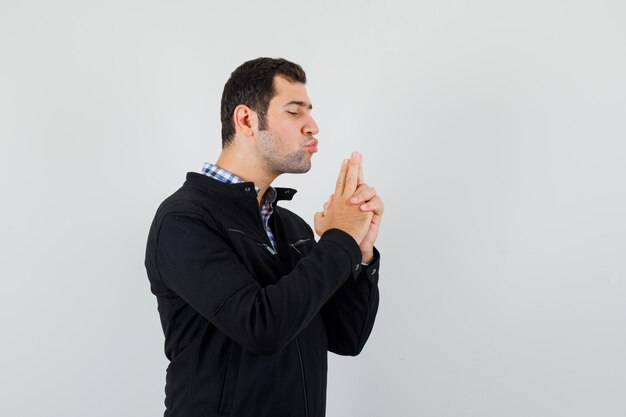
(304, 390)
(265, 245)
(298, 242)
(306, 400)
(219, 402)
(282, 271)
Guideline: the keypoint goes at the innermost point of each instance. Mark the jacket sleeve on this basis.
(349, 314)
(193, 259)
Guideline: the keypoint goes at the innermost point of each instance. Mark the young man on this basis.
(250, 304)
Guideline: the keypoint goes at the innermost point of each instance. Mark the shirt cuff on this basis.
(371, 269)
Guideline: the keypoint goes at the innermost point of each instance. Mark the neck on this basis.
(248, 168)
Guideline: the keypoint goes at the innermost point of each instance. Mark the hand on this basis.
(371, 202)
(343, 215)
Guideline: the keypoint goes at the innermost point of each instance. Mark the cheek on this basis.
(288, 131)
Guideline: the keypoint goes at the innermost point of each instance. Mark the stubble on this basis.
(291, 163)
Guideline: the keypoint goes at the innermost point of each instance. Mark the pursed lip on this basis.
(312, 145)
(312, 142)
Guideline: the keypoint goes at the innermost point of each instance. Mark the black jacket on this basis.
(247, 329)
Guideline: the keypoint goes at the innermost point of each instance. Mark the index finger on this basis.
(341, 179)
(352, 175)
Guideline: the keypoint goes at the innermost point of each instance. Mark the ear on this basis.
(246, 120)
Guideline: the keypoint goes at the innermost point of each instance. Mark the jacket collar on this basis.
(243, 190)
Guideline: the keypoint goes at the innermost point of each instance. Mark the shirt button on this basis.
(247, 189)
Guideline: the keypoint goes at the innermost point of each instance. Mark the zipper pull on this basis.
(269, 248)
(296, 249)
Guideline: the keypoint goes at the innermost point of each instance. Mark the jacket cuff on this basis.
(370, 271)
(349, 245)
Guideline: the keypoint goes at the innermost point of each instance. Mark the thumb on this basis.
(317, 220)
(327, 203)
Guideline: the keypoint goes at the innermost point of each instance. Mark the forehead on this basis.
(287, 91)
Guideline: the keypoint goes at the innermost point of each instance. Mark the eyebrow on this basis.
(300, 103)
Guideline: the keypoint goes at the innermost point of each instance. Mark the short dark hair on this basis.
(252, 84)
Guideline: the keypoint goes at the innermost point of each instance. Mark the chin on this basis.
(307, 166)
(296, 165)
(301, 170)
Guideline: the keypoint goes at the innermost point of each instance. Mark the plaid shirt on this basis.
(267, 209)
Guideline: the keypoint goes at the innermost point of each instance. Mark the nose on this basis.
(310, 127)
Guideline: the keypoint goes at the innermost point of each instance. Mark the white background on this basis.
(494, 131)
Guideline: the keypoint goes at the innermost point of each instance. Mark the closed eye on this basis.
(292, 112)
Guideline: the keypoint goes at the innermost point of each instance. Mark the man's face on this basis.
(288, 143)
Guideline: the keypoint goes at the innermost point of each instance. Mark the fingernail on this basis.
(345, 161)
(355, 199)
